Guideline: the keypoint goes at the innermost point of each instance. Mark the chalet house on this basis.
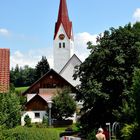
(41, 92)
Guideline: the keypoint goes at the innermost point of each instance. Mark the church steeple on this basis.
(63, 18)
(63, 11)
(63, 38)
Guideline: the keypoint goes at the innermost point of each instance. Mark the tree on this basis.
(42, 67)
(16, 76)
(136, 93)
(28, 75)
(106, 75)
(10, 110)
(23, 76)
(63, 105)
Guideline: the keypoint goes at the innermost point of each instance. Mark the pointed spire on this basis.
(63, 11)
(63, 18)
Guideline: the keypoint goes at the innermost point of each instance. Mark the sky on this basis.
(27, 26)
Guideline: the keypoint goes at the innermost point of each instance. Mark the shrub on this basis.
(128, 131)
(76, 126)
(91, 136)
(45, 121)
(27, 120)
(10, 109)
(25, 133)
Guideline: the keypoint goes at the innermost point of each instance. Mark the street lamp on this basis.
(109, 126)
(50, 106)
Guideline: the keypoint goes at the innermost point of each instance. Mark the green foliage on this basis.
(127, 113)
(12, 87)
(76, 126)
(24, 133)
(10, 110)
(38, 125)
(41, 68)
(27, 121)
(128, 131)
(45, 121)
(106, 76)
(25, 76)
(63, 105)
(136, 93)
(92, 135)
(20, 77)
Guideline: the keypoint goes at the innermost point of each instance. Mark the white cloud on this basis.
(81, 40)
(136, 14)
(4, 32)
(31, 57)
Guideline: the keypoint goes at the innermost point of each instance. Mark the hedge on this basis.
(24, 133)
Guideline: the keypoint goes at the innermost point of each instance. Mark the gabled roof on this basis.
(63, 19)
(39, 83)
(74, 56)
(38, 97)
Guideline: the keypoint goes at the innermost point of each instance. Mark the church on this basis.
(40, 93)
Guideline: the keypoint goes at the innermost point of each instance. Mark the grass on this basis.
(21, 89)
(59, 129)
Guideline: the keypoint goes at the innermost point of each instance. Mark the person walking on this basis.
(100, 135)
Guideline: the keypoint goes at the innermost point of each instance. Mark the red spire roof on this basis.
(63, 19)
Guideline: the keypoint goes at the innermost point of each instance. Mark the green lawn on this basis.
(21, 89)
(59, 129)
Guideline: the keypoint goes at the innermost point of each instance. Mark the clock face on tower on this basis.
(61, 36)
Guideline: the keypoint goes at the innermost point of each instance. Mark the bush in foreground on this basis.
(129, 131)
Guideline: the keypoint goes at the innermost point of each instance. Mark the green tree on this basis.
(16, 77)
(42, 67)
(28, 75)
(136, 93)
(10, 110)
(106, 75)
(23, 76)
(63, 105)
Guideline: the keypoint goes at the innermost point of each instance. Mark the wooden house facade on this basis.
(41, 92)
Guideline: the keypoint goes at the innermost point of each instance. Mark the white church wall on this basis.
(62, 55)
(69, 70)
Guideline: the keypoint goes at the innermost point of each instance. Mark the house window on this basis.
(59, 45)
(63, 45)
(37, 115)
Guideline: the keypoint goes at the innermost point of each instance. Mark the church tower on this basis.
(63, 38)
